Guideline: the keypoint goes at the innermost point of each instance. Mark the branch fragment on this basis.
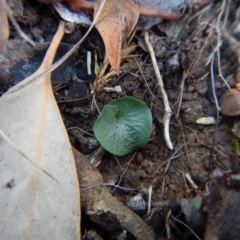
(168, 112)
(143, 10)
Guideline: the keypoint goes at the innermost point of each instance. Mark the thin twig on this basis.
(213, 88)
(124, 171)
(118, 163)
(186, 149)
(15, 24)
(168, 163)
(180, 95)
(217, 48)
(168, 112)
(175, 219)
(81, 131)
(217, 112)
(140, 69)
(110, 185)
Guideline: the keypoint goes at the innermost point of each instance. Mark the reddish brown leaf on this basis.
(115, 24)
(4, 27)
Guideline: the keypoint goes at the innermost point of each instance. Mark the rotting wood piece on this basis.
(104, 209)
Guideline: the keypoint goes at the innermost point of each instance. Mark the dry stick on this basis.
(70, 52)
(15, 24)
(158, 12)
(143, 10)
(168, 112)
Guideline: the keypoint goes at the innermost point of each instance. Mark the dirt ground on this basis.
(194, 54)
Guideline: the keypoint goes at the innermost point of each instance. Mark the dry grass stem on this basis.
(188, 177)
(103, 74)
(149, 199)
(168, 164)
(167, 225)
(180, 96)
(140, 70)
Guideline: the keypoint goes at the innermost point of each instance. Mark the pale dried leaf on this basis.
(115, 24)
(38, 200)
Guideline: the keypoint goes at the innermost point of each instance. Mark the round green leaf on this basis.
(123, 126)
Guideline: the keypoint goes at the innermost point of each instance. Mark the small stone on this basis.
(188, 96)
(137, 203)
(131, 166)
(156, 183)
(173, 187)
(145, 163)
(150, 169)
(139, 157)
(191, 138)
(206, 120)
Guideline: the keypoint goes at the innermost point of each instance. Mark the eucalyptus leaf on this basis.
(123, 125)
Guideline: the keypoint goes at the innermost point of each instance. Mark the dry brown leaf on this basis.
(39, 197)
(115, 24)
(4, 27)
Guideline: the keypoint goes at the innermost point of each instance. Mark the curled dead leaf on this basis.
(115, 24)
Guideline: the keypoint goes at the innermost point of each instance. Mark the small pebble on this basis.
(191, 137)
(137, 203)
(206, 121)
(150, 169)
(151, 147)
(131, 166)
(139, 157)
(173, 187)
(156, 183)
(145, 163)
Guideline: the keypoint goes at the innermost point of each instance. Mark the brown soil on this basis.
(183, 49)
